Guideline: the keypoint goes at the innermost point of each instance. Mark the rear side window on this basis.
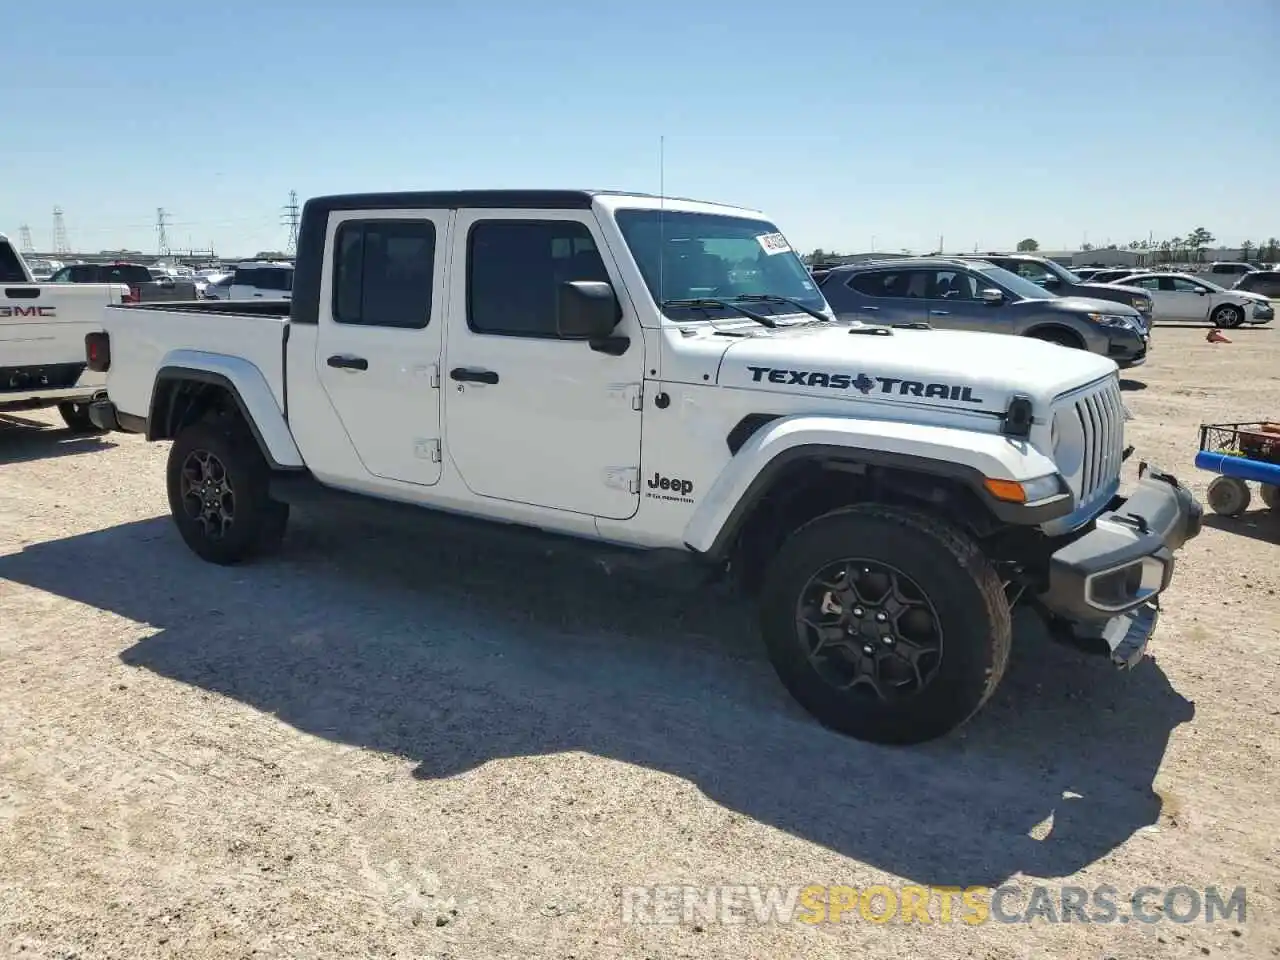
(10, 266)
(274, 278)
(892, 283)
(514, 272)
(128, 273)
(245, 277)
(383, 273)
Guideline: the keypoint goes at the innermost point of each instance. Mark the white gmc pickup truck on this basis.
(42, 331)
(653, 374)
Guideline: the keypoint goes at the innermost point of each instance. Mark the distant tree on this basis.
(1029, 245)
(1112, 246)
(1198, 241)
(818, 256)
(1086, 247)
(1273, 250)
(1247, 248)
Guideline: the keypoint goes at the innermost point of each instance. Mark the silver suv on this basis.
(966, 294)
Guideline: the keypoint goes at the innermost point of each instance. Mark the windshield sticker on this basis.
(773, 243)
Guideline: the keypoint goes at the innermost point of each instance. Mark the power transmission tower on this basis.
(291, 219)
(24, 238)
(60, 242)
(162, 234)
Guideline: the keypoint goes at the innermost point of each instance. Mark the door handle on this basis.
(939, 313)
(473, 376)
(870, 309)
(347, 362)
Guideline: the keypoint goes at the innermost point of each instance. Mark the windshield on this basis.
(691, 256)
(1063, 272)
(1020, 287)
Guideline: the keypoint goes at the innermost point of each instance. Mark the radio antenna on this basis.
(662, 204)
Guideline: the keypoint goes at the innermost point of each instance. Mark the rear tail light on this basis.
(97, 351)
(133, 296)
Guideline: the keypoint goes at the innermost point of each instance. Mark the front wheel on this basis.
(1227, 316)
(885, 624)
(1270, 495)
(76, 416)
(218, 494)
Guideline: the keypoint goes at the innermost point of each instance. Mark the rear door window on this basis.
(10, 266)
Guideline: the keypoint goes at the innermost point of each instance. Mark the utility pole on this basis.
(162, 231)
(290, 219)
(60, 242)
(24, 238)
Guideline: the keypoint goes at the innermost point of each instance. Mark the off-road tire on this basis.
(258, 522)
(1228, 316)
(953, 575)
(76, 417)
(1270, 495)
(1228, 496)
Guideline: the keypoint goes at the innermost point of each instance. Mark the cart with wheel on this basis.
(1238, 453)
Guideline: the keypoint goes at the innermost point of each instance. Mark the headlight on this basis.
(1025, 491)
(1113, 320)
(1142, 305)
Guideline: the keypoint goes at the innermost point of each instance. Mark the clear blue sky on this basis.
(982, 121)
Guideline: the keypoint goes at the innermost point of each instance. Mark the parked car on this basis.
(42, 331)
(879, 492)
(1225, 272)
(960, 293)
(1113, 274)
(1184, 296)
(1057, 279)
(144, 285)
(1086, 273)
(1264, 282)
(262, 280)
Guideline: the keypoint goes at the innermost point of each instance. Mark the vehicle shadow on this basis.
(1126, 384)
(453, 651)
(1261, 525)
(22, 440)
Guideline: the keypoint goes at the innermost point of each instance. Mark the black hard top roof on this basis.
(450, 199)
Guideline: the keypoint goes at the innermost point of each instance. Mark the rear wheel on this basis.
(218, 494)
(1227, 316)
(76, 416)
(1270, 495)
(886, 625)
(1229, 496)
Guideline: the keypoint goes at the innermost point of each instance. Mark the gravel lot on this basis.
(402, 742)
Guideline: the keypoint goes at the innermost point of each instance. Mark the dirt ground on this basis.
(403, 743)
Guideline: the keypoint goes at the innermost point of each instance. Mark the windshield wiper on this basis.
(711, 303)
(774, 298)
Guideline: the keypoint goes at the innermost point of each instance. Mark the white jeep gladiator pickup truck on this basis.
(655, 374)
(42, 331)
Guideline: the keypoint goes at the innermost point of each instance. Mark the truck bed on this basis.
(147, 337)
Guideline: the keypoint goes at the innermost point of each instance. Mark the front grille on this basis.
(51, 376)
(1100, 413)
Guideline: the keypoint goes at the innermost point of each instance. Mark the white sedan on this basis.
(1185, 296)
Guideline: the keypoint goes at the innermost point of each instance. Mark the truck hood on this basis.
(945, 369)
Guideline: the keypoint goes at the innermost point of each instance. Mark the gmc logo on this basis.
(8, 312)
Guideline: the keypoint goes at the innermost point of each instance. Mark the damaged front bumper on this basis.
(1106, 583)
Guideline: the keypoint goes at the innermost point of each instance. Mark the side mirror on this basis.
(586, 310)
(992, 297)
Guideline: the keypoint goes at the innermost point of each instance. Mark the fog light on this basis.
(1127, 586)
